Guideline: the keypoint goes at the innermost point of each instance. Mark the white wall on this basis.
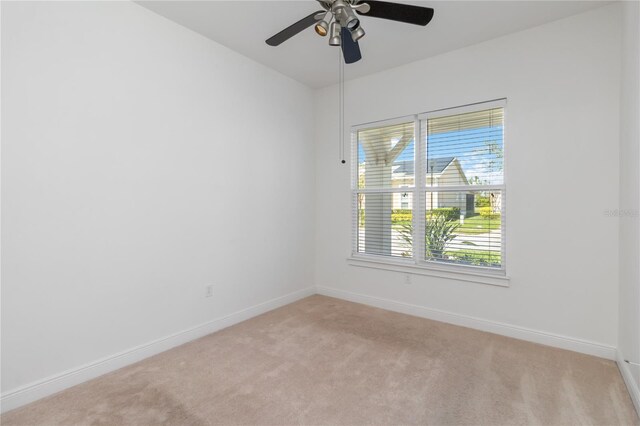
(140, 161)
(629, 319)
(562, 157)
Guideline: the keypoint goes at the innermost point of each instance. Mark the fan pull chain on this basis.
(341, 106)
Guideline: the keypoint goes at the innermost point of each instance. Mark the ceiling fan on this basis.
(339, 21)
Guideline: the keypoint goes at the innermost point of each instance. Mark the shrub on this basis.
(482, 201)
(406, 235)
(401, 216)
(476, 257)
(449, 213)
(438, 233)
(487, 213)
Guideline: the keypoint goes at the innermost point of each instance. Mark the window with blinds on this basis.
(431, 190)
(385, 187)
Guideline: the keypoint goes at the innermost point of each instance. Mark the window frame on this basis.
(417, 263)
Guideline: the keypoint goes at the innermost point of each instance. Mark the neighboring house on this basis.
(442, 171)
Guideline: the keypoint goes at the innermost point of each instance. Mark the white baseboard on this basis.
(50, 385)
(632, 385)
(541, 337)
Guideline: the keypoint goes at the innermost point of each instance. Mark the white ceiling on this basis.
(244, 25)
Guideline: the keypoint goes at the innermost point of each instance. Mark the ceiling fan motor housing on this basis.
(345, 15)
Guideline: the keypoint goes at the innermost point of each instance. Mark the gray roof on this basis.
(439, 164)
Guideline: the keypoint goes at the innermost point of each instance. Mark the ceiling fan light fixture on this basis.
(357, 33)
(351, 21)
(322, 27)
(334, 39)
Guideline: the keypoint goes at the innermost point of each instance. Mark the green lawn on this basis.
(478, 225)
(472, 225)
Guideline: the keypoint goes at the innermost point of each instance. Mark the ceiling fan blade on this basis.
(407, 13)
(294, 29)
(350, 48)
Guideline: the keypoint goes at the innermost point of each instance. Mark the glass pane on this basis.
(386, 157)
(465, 149)
(464, 227)
(384, 224)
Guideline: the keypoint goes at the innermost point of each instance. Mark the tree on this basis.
(477, 181)
(497, 151)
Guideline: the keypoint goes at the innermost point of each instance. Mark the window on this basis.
(404, 200)
(436, 202)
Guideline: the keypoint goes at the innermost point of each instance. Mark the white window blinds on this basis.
(464, 187)
(386, 182)
(452, 211)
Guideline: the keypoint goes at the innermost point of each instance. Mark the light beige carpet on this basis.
(323, 361)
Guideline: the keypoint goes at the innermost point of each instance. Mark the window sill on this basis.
(409, 267)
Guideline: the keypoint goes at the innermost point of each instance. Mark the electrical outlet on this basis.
(208, 291)
(407, 279)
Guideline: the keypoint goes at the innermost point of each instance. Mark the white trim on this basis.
(355, 212)
(354, 161)
(442, 112)
(516, 332)
(382, 123)
(469, 273)
(463, 109)
(419, 195)
(395, 190)
(448, 188)
(632, 386)
(41, 388)
(464, 188)
(503, 194)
